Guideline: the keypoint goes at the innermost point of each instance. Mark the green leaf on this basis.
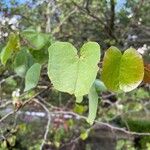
(40, 56)
(99, 85)
(93, 104)
(84, 135)
(80, 109)
(79, 99)
(70, 72)
(122, 72)
(12, 140)
(37, 40)
(32, 76)
(13, 45)
(22, 62)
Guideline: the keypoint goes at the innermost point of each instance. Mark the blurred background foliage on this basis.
(120, 23)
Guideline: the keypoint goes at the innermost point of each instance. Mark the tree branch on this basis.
(48, 123)
(63, 21)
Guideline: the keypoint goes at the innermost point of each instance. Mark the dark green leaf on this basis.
(40, 56)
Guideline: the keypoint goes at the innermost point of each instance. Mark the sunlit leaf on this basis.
(84, 135)
(70, 72)
(122, 72)
(13, 45)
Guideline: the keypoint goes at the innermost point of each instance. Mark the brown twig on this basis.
(48, 123)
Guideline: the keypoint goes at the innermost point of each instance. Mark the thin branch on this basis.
(112, 17)
(25, 103)
(48, 18)
(48, 104)
(104, 124)
(5, 104)
(63, 21)
(7, 115)
(122, 129)
(48, 123)
(71, 142)
(94, 16)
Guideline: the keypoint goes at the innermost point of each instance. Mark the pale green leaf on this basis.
(32, 76)
(122, 72)
(70, 72)
(13, 45)
(79, 99)
(93, 104)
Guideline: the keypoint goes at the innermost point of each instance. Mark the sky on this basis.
(8, 2)
(119, 5)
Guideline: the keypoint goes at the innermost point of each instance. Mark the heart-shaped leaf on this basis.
(70, 72)
(122, 72)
